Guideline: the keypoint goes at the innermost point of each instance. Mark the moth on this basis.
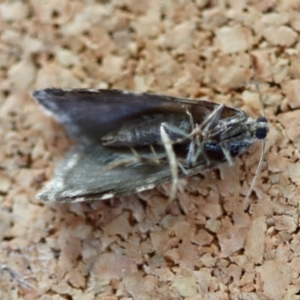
(130, 142)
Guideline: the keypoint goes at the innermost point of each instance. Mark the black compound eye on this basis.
(261, 120)
(261, 132)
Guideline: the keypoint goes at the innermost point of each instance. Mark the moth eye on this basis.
(261, 120)
(261, 132)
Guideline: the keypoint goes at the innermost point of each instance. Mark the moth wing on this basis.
(83, 175)
(90, 114)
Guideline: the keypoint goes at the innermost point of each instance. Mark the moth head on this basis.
(262, 128)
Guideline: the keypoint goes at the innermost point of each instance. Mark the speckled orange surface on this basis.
(204, 246)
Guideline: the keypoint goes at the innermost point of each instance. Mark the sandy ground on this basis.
(205, 246)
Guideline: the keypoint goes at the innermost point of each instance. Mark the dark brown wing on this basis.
(94, 113)
(82, 175)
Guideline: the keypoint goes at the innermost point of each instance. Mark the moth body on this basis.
(121, 149)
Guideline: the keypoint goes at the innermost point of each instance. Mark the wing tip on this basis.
(42, 94)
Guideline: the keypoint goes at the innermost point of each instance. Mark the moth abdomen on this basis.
(145, 130)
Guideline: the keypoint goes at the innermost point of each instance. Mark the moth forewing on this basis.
(108, 124)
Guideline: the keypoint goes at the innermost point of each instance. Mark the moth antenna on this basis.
(257, 87)
(246, 200)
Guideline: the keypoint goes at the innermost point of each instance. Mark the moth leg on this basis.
(195, 144)
(144, 160)
(200, 133)
(172, 161)
(154, 154)
(175, 130)
(119, 163)
(133, 160)
(196, 147)
(212, 120)
(194, 141)
(182, 168)
(227, 155)
(185, 135)
(190, 116)
(193, 156)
